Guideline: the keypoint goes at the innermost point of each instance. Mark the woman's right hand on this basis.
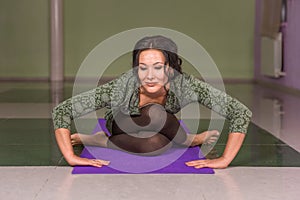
(75, 160)
(63, 138)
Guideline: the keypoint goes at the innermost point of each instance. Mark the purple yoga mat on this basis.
(170, 162)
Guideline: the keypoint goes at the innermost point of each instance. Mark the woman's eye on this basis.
(158, 67)
(143, 68)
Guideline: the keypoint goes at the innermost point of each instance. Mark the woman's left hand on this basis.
(218, 163)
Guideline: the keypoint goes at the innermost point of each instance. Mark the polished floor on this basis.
(31, 166)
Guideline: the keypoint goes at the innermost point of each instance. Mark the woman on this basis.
(141, 106)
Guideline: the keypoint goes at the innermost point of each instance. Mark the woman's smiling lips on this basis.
(152, 84)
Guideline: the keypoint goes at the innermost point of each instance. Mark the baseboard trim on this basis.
(24, 79)
(105, 79)
(278, 87)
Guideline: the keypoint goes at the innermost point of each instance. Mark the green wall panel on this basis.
(224, 28)
(24, 38)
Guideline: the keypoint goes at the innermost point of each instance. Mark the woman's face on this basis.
(151, 70)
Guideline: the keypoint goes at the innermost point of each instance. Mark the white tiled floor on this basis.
(236, 183)
(274, 111)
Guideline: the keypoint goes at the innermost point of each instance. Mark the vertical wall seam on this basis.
(56, 44)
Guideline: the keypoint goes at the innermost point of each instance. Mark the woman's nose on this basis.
(150, 74)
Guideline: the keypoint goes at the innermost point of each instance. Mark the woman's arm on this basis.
(234, 143)
(81, 104)
(233, 110)
(75, 107)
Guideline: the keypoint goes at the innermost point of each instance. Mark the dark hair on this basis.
(165, 45)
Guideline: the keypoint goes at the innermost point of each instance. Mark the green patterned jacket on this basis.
(122, 94)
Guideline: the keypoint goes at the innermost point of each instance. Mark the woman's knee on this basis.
(148, 146)
(155, 145)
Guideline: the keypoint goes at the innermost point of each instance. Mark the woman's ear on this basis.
(170, 72)
(135, 72)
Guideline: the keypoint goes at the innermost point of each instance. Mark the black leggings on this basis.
(150, 133)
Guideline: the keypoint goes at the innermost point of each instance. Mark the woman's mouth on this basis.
(150, 84)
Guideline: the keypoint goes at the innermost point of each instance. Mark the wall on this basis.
(224, 28)
(24, 39)
(291, 48)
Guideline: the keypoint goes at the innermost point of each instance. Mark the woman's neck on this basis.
(158, 97)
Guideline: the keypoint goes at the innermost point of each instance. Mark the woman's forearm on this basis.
(63, 138)
(233, 145)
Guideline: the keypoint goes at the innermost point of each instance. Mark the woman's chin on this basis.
(152, 90)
